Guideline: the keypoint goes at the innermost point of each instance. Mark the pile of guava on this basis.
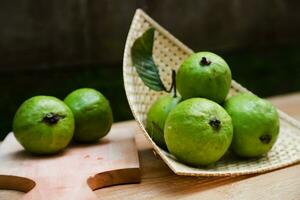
(204, 122)
(46, 124)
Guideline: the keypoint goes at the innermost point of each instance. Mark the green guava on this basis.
(198, 131)
(43, 125)
(157, 116)
(255, 122)
(92, 112)
(206, 75)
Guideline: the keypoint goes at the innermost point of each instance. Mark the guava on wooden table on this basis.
(43, 125)
(92, 112)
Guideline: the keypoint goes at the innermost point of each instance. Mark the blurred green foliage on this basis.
(266, 72)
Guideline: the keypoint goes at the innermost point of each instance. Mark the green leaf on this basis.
(141, 55)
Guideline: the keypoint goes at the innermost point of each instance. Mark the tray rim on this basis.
(234, 85)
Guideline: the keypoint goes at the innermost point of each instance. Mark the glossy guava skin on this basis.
(37, 136)
(92, 112)
(157, 116)
(252, 118)
(189, 135)
(207, 81)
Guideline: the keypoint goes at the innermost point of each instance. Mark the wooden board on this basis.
(73, 173)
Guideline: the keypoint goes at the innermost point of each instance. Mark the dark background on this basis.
(54, 47)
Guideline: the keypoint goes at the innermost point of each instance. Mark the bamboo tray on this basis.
(168, 53)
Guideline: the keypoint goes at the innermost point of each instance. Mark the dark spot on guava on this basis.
(52, 118)
(215, 123)
(265, 139)
(204, 61)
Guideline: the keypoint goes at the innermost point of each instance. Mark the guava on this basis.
(255, 122)
(92, 112)
(205, 75)
(43, 125)
(157, 116)
(198, 132)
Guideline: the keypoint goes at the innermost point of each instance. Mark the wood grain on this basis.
(73, 173)
(158, 181)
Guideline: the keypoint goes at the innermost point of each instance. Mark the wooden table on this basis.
(158, 181)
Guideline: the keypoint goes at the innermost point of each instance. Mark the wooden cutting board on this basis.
(73, 173)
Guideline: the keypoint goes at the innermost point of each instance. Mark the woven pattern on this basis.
(169, 53)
